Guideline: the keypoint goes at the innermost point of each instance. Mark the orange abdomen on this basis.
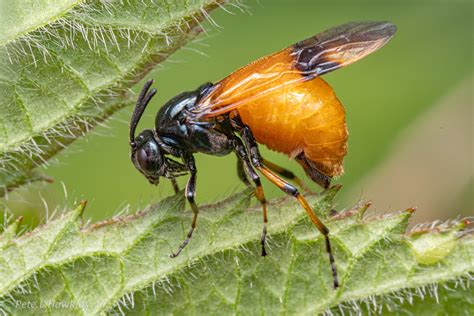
(304, 118)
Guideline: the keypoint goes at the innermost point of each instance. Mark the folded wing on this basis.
(305, 60)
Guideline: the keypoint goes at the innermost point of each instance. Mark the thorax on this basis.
(175, 126)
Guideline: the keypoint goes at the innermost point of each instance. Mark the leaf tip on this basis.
(81, 208)
(363, 207)
(18, 221)
(411, 210)
(466, 222)
(14, 226)
(10, 231)
(359, 210)
(329, 194)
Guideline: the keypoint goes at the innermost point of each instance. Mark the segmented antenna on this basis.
(143, 100)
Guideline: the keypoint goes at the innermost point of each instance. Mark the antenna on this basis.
(143, 100)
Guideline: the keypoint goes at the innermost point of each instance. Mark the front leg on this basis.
(190, 193)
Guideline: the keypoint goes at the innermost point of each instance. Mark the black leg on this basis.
(241, 172)
(243, 157)
(290, 190)
(190, 193)
(313, 172)
(175, 185)
(285, 173)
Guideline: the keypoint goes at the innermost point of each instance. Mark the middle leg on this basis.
(175, 186)
(245, 161)
(241, 172)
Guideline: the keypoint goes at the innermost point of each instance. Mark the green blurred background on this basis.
(409, 112)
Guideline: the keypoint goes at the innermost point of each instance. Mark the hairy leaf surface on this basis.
(67, 65)
(123, 264)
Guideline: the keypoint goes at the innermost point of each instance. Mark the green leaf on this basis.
(67, 65)
(123, 264)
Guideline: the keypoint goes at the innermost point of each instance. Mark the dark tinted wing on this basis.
(340, 46)
(315, 56)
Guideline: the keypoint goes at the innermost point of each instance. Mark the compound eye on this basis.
(143, 160)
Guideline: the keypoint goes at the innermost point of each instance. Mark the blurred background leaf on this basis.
(384, 94)
(430, 163)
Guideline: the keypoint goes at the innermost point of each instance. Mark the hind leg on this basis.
(312, 171)
(289, 189)
(285, 173)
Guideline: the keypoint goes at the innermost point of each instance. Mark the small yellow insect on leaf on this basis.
(429, 249)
